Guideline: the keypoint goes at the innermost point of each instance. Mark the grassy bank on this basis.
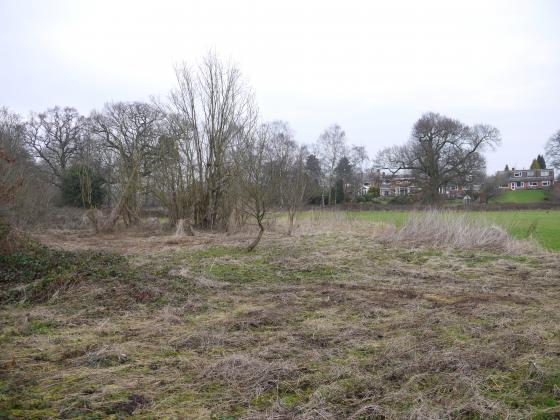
(524, 196)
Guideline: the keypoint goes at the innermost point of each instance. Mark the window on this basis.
(546, 183)
(545, 173)
(533, 184)
(530, 173)
(518, 174)
(454, 188)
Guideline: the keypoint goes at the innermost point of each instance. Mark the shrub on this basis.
(366, 198)
(403, 199)
(373, 192)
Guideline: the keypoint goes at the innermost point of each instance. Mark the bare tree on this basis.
(359, 160)
(168, 181)
(331, 147)
(283, 149)
(553, 150)
(10, 177)
(23, 195)
(129, 131)
(55, 137)
(256, 176)
(208, 111)
(297, 184)
(441, 150)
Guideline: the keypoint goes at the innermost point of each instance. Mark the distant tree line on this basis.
(204, 156)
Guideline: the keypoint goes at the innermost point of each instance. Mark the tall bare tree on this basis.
(297, 184)
(55, 137)
(331, 147)
(441, 150)
(283, 149)
(208, 111)
(359, 160)
(129, 131)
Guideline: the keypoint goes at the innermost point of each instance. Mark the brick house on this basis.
(459, 191)
(392, 185)
(398, 185)
(455, 190)
(526, 179)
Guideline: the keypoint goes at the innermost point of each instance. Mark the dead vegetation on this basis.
(334, 322)
(447, 230)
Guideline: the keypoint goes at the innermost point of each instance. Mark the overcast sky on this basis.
(371, 66)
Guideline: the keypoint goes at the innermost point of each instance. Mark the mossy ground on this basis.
(329, 325)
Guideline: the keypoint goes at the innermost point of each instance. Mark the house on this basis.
(405, 184)
(398, 185)
(526, 179)
(456, 190)
(364, 189)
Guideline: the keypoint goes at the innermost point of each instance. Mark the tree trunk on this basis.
(111, 221)
(122, 205)
(432, 195)
(91, 215)
(291, 217)
(254, 244)
(184, 227)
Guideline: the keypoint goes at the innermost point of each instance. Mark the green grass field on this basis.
(528, 196)
(542, 225)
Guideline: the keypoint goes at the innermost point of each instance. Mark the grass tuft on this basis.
(458, 231)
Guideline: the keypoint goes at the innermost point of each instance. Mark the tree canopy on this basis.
(441, 150)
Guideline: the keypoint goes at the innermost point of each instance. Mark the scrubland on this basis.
(348, 318)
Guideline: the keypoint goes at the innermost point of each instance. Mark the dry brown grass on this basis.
(459, 231)
(332, 323)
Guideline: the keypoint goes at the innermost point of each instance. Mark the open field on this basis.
(542, 225)
(334, 322)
